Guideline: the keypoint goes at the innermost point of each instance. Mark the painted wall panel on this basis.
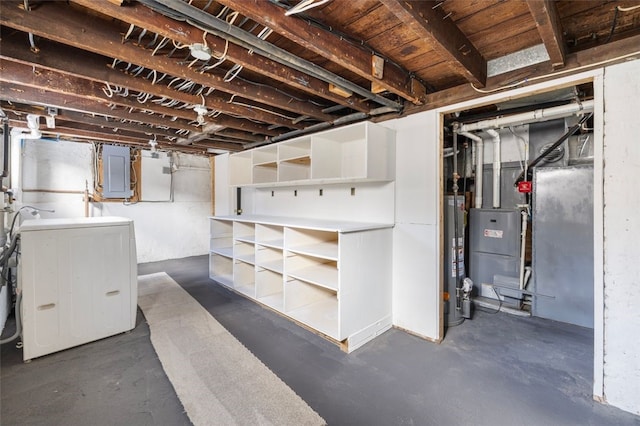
(164, 230)
(416, 287)
(417, 170)
(416, 245)
(621, 235)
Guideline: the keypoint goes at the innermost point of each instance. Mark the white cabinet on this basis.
(332, 276)
(359, 152)
(78, 279)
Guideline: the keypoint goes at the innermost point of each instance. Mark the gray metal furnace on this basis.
(494, 250)
(563, 244)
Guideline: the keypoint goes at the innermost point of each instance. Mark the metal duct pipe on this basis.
(497, 167)
(478, 143)
(247, 40)
(530, 117)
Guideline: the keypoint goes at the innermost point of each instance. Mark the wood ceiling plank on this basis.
(53, 81)
(325, 43)
(99, 121)
(491, 37)
(58, 22)
(444, 36)
(17, 93)
(548, 22)
(144, 17)
(75, 62)
(464, 9)
(575, 62)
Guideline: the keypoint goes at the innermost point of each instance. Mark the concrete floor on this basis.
(494, 370)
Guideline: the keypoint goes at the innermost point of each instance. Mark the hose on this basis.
(18, 322)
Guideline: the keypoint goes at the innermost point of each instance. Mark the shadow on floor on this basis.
(493, 370)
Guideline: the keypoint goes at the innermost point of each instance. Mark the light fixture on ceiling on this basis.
(154, 150)
(201, 50)
(50, 118)
(201, 110)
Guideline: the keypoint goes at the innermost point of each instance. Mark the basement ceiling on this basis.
(206, 76)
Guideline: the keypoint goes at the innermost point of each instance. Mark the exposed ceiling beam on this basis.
(17, 93)
(59, 22)
(150, 20)
(84, 133)
(616, 51)
(545, 14)
(75, 62)
(100, 121)
(429, 22)
(330, 46)
(35, 78)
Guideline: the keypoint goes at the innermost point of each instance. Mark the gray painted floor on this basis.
(494, 370)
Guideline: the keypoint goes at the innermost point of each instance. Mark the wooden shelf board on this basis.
(273, 265)
(275, 301)
(226, 280)
(325, 276)
(247, 258)
(249, 239)
(223, 251)
(277, 244)
(322, 315)
(303, 160)
(247, 289)
(269, 164)
(326, 250)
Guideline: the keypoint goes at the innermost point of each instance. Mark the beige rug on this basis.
(218, 380)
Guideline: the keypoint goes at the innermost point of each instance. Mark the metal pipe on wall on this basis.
(478, 143)
(497, 167)
(530, 117)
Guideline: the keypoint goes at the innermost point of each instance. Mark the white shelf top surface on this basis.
(75, 222)
(306, 223)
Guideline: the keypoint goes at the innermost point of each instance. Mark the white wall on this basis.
(416, 237)
(164, 230)
(621, 236)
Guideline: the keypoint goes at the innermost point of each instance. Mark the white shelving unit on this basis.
(332, 276)
(359, 152)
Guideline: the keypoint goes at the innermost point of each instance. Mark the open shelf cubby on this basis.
(270, 288)
(314, 306)
(312, 242)
(244, 280)
(358, 152)
(270, 235)
(331, 276)
(314, 270)
(221, 269)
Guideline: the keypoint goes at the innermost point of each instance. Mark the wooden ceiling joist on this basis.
(148, 19)
(428, 21)
(59, 22)
(22, 94)
(78, 63)
(548, 23)
(329, 46)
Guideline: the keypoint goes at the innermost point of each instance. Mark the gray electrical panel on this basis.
(494, 247)
(452, 316)
(562, 256)
(116, 166)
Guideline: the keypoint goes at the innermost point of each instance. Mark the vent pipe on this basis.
(478, 143)
(497, 167)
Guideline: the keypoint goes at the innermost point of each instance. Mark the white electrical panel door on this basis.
(78, 285)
